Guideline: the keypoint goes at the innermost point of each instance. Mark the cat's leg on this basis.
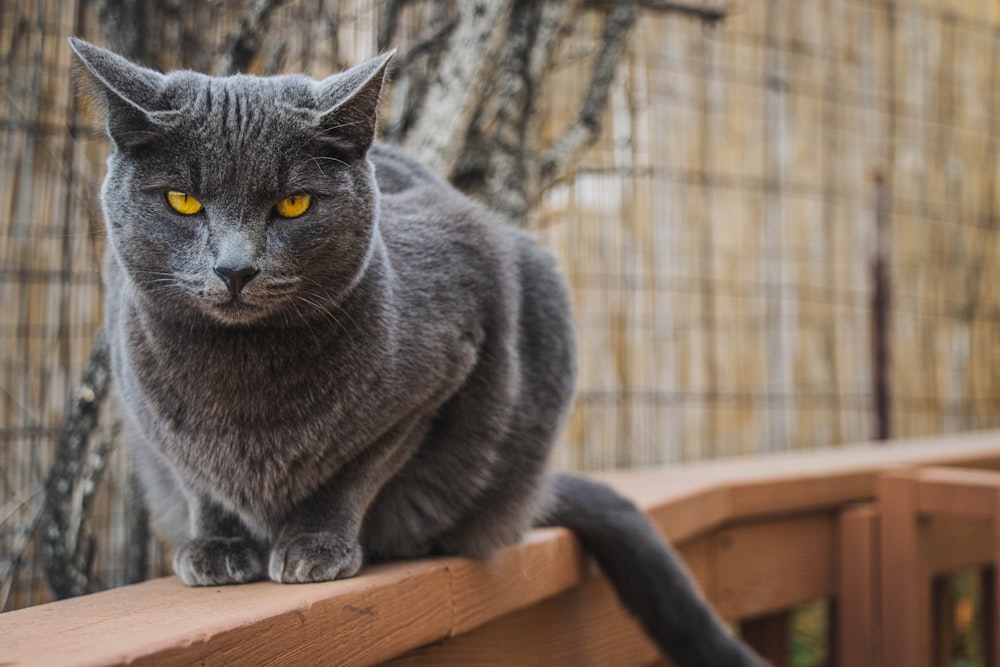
(222, 551)
(320, 539)
(320, 542)
(503, 512)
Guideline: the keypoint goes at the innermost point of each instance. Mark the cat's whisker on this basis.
(320, 158)
(319, 308)
(331, 128)
(317, 160)
(305, 321)
(329, 301)
(324, 131)
(330, 310)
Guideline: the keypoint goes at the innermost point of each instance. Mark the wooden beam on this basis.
(958, 491)
(857, 608)
(948, 544)
(766, 567)
(724, 516)
(162, 622)
(582, 626)
(944, 620)
(770, 637)
(905, 599)
(988, 628)
(934, 521)
(991, 597)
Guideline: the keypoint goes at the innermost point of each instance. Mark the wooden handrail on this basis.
(759, 534)
(932, 521)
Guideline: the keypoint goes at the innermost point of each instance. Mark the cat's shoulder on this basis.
(422, 211)
(396, 172)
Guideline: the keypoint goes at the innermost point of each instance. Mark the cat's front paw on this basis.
(215, 561)
(308, 557)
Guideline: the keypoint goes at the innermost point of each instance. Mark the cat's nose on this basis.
(236, 279)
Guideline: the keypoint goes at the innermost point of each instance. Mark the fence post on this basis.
(856, 629)
(769, 636)
(905, 604)
(988, 591)
(915, 505)
(991, 596)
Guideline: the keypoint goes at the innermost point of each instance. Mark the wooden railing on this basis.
(871, 527)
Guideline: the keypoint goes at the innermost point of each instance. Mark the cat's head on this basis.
(237, 198)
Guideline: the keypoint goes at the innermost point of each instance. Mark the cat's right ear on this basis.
(127, 94)
(347, 106)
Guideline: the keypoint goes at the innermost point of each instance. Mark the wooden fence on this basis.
(787, 236)
(869, 528)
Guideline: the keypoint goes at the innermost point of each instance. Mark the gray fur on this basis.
(389, 381)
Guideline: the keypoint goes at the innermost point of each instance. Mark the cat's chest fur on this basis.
(260, 416)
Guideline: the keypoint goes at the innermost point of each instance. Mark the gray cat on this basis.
(327, 356)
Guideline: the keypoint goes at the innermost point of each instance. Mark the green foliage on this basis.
(810, 641)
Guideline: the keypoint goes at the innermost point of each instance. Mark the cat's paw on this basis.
(215, 561)
(309, 557)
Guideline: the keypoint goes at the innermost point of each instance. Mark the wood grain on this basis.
(758, 535)
(858, 614)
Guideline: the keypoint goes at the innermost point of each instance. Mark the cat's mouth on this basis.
(235, 310)
(248, 306)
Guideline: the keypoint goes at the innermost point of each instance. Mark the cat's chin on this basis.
(236, 313)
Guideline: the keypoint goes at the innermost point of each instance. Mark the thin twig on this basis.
(587, 126)
(22, 540)
(17, 504)
(708, 14)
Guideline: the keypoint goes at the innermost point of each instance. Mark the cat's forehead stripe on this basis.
(240, 118)
(239, 122)
(242, 137)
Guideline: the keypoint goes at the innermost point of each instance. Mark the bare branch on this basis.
(243, 44)
(555, 21)
(414, 69)
(511, 173)
(388, 22)
(587, 126)
(427, 44)
(492, 163)
(438, 132)
(274, 56)
(67, 492)
(126, 25)
(710, 14)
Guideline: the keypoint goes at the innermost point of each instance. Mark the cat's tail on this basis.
(650, 579)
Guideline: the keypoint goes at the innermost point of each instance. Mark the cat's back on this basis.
(443, 243)
(465, 273)
(423, 213)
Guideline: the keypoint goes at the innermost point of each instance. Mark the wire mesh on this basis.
(720, 239)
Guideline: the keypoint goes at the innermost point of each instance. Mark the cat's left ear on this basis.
(348, 103)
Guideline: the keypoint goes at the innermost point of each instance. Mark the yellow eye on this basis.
(294, 206)
(183, 203)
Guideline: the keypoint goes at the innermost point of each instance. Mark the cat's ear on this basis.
(347, 105)
(126, 93)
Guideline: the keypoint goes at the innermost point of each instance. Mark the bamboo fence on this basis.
(785, 238)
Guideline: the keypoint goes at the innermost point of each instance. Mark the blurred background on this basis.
(778, 219)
